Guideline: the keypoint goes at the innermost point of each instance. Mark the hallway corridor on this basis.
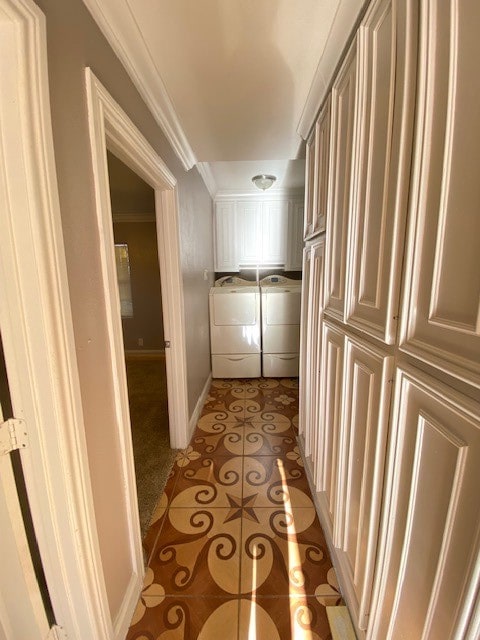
(235, 549)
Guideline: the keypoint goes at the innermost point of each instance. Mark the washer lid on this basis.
(233, 289)
(279, 281)
(230, 281)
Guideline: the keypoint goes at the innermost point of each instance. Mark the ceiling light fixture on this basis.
(263, 181)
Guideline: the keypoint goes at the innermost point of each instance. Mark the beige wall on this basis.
(74, 42)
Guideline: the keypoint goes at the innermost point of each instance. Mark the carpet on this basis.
(147, 394)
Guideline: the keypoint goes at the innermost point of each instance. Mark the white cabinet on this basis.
(274, 228)
(226, 247)
(322, 165)
(295, 236)
(309, 185)
(310, 337)
(304, 404)
(252, 231)
(442, 302)
(363, 437)
(331, 392)
(427, 575)
(248, 232)
(386, 95)
(343, 117)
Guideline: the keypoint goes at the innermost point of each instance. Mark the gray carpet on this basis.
(153, 456)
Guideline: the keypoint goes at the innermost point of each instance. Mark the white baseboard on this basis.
(199, 406)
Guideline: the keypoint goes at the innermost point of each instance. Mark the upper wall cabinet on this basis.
(251, 232)
(226, 247)
(441, 323)
(295, 236)
(427, 576)
(322, 163)
(387, 65)
(309, 185)
(343, 116)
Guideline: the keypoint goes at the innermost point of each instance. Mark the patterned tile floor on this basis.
(235, 548)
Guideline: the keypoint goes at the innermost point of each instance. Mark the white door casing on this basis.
(110, 127)
(37, 332)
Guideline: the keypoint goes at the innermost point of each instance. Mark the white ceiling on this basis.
(231, 81)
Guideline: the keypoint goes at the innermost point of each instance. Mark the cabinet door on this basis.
(331, 380)
(274, 232)
(342, 162)
(309, 185)
(295, 236)
(249, 229)
(427, 576)
(304, 389)
(363, 436)
(315, 315)
(387, 51)
(226, 253)
(322, 163)
(441, 324)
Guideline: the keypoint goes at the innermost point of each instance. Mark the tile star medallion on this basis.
(242, 507)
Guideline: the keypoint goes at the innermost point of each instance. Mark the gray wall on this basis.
(75, 42)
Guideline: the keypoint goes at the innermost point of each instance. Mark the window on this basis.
(123, 276)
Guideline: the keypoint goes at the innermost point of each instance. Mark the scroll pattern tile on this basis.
(235, 548)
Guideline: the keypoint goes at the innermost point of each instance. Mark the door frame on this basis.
(110, 127)
(37, 332)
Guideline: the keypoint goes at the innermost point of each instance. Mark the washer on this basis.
(281, 304)
(235, 328)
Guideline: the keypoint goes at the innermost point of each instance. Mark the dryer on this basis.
(281, 303)
(235, 328)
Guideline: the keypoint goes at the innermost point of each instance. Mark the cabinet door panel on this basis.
(226, 254)
(366, 401)
(304, 390)
(442, 306)
(295, 236)
(430, 533)
(249, 232)
(273, 232)
(387, 43)
(315, 316)
(322, 164)
(331, 380)
(309, 186)
(342, 162)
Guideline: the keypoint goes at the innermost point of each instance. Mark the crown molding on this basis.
(117, 23)
(269, 194)
(343, 27)
(206, 173)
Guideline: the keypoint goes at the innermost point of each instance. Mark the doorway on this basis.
(138, 273)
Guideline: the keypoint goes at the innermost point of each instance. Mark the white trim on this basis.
(208, 178)
(110, 126)
(117, 23)
(256, 194)
(347, 15)
(37, 332)
(199, 406)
